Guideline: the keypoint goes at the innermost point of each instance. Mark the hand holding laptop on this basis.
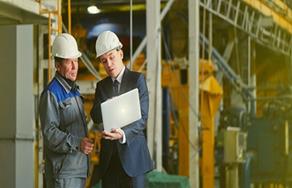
(114, 134)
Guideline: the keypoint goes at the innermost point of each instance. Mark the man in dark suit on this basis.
(124, 157)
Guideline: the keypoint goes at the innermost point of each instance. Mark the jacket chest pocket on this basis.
(67, 112)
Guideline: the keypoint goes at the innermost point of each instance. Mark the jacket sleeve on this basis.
(95, 112)
(137, 127)
(54, 138)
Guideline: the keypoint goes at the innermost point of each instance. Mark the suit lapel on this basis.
(109, 87)
(125, 80)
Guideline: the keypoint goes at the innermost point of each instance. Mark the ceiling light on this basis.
(93, 9)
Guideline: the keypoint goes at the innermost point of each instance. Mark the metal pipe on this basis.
(69, 16)
(59, 14)
(194, 56)
(204, 33)
(154, 81)
(49, 47)
(210, 34)
(144, 41)
(131, 33)
(40, 6)
(246, 176)
(249, 105)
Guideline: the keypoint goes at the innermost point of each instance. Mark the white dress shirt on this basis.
(119, 79)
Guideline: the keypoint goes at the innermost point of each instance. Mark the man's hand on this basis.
(86, 145)
(114, 134)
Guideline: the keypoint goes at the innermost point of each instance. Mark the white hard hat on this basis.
(65, 46)
(106, 42)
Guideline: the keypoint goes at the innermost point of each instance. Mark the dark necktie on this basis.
(116, 88)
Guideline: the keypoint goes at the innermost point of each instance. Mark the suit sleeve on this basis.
(139, 126)
(54, 138)
(95, 112)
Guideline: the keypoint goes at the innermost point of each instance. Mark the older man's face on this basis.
(68, 68)
(112, 62)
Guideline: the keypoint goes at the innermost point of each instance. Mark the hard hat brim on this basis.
(79, 54)
(106, 51)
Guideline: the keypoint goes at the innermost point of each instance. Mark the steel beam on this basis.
(154, 129)
(242, 16)
(193, 80)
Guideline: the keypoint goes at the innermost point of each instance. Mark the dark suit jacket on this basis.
(134, 154)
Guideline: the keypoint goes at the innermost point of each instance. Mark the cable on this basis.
(131, 33)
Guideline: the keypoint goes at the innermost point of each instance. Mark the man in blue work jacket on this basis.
(64, 128)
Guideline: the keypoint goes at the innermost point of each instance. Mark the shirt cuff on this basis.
(123, 140)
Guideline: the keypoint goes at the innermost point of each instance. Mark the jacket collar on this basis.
(63, 82)
(120, 76)
(123, 84)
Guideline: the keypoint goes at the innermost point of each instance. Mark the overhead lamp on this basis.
(93, 9)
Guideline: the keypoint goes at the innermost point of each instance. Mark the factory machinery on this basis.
(253, 142)
(251, 137)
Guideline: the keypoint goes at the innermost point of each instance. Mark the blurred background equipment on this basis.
(218, 72)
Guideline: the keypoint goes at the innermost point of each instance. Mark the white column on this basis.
(193, 80)
(16, 101)
(154, 129)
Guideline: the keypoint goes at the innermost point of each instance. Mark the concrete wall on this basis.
(16, 102)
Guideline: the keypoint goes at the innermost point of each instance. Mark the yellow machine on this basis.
(210, 97)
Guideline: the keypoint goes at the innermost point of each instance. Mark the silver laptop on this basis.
(122, 110)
